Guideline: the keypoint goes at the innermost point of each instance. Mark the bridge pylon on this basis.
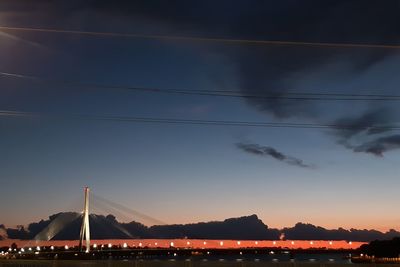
(85, 229)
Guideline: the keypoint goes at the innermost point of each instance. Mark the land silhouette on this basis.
(66, 226)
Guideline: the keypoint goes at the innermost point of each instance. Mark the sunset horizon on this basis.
(200, 120)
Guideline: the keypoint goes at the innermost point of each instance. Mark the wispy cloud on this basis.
(267, 151)
(379, 145)
(370, 139)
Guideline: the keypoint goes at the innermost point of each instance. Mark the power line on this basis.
(200, 39)
(218, 93)
(154, 120)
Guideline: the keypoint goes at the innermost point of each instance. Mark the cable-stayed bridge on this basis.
(85, 244)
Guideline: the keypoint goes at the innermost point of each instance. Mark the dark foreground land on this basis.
(175, 263)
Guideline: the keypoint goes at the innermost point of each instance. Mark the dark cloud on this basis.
(270, 69)
(369, 123)
(306, 231)
(256, 149)
(379, 145)
(242, 228)
(360, 129)
(261, 69)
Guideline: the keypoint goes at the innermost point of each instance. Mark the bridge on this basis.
(44, 245)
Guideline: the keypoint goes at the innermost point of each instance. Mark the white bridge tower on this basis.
(85, 230)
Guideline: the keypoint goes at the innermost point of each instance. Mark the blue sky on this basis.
(189, 173)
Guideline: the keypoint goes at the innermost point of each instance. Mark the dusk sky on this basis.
(181, 173)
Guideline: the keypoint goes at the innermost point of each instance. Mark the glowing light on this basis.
(274, 242)
(22, 250)
(271, 252)
(256, 242)
(66, 247)
(95, 246)
(204, 243)
(110, 245)
(156, 244)
(188, 243)
(30, 249)
(140, 244)
(125, 245)
(239, 243)
(221, 243)
(292, 242)
(38, 248)
(172, 244)
(174, 254)
(311, 243)
(350, 243)
(241, 253)
(208, 252)
(330, 242)
(52, 247)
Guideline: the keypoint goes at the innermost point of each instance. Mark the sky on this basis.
(182, 173)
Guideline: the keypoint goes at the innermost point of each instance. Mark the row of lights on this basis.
(125, 245)
(221, 243)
